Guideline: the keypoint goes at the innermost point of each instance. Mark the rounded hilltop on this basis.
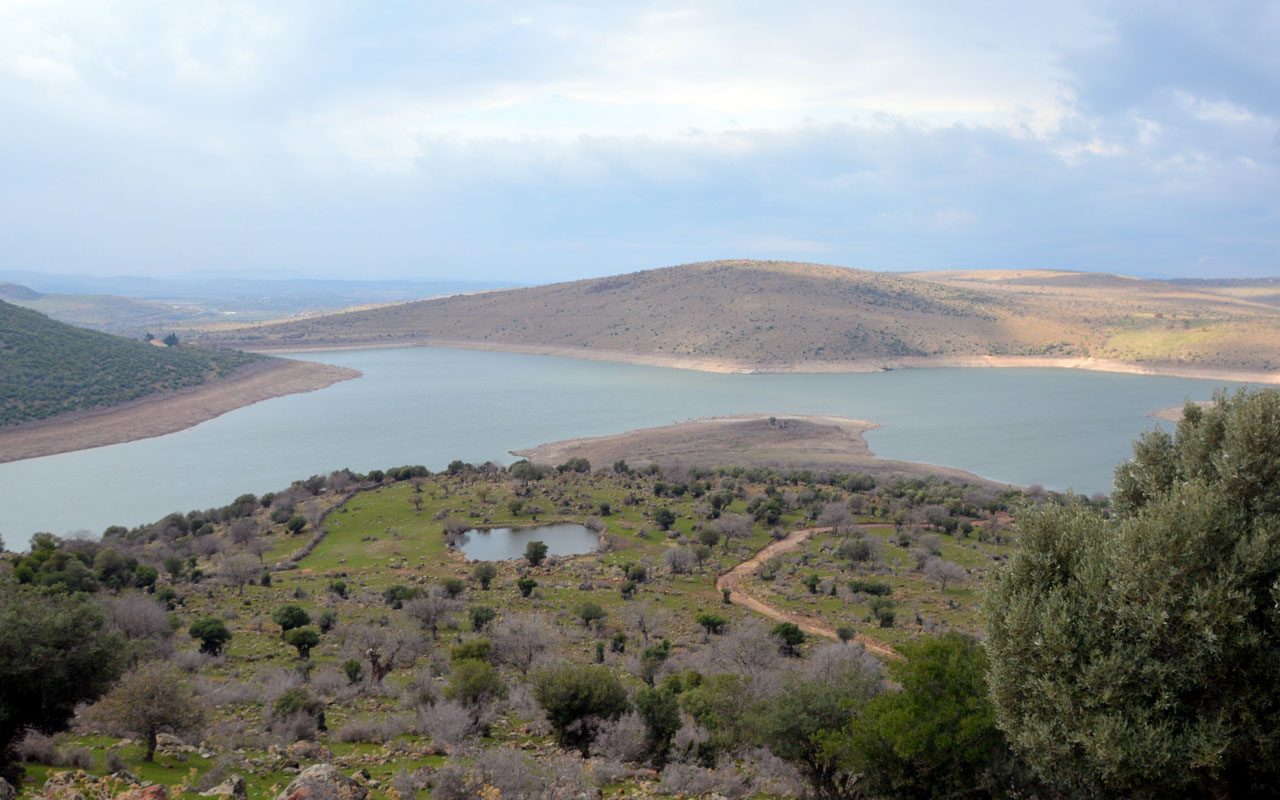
(780, 316)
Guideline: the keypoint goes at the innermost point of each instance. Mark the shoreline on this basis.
(784, 441)
(733, 366)
(168, 412)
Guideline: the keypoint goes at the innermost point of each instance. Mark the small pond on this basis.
(505, 544)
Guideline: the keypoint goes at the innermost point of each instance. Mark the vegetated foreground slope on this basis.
(414, 657)
(782, 315)
(49, 368)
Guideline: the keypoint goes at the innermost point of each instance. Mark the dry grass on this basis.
(777, 315)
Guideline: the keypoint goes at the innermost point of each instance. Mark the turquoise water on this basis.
(1057, 428)
(505, 544)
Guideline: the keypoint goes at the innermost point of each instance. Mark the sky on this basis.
(537, 142)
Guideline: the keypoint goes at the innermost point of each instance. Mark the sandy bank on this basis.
(1174, 413)
(169, 412)
(728, 365)
(784, 441)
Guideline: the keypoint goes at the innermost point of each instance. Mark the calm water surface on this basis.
(1057, 428)
(504, 544)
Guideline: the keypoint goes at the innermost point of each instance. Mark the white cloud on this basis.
(969, 132)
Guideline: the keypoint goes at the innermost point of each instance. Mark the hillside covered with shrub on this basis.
(49, 368)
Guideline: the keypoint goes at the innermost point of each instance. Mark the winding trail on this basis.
(736, 578)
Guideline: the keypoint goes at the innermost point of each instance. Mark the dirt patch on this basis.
(168, 412)
(1174, 413)
(736, 578)
(783, 441)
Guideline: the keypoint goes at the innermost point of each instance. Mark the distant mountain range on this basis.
(132, 306)
(771, 315)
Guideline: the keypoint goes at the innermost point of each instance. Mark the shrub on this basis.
(294, 702)
(212, 633)
(883, 612)
(871, 587)
(589, 611)
(789, 638)
(473, 683)
(535, 552)
(484, 573)
(481, 616)
(395, 596)
(303, 639)
(575, 698)
(289, 617)
(453, 586)
(477, 649)
(710, 621)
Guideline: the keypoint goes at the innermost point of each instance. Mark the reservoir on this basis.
(506, 544)
(1059, 428)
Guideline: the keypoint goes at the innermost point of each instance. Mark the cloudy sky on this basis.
(544, 141)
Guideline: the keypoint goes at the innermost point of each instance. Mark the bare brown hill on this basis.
(783, 316)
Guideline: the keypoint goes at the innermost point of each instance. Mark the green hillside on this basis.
(49, 368)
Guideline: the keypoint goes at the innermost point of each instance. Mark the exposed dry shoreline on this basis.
(1174, 413)
(168, 412)
(785, 441)
(727, 365)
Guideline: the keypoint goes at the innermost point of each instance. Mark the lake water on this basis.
(1057, 428)
(505, 544)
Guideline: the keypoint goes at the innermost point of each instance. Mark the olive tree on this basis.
(576, 698)
(148, 701)
(289, 617)
(431, 609)
(212, 633)
(935, 736)
(55, 653)
(794, 724)
(1135, 654)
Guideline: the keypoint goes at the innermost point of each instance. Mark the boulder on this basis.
(155, 791)
(323, 782)
(62, 786)
(233, 788)
(7, 792)
(309, 751)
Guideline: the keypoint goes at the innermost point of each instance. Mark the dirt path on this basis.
(736, 578)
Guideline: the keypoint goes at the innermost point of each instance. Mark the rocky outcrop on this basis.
(156, 791)
(63, 786)
(306, 750)
(323, 782)
(233, 788)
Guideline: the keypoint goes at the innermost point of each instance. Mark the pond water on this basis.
(1054, 427)
(505, 544)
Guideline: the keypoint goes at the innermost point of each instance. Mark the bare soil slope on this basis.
(784, 316)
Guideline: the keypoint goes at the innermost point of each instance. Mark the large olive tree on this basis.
(1136, 654)
(55, 652)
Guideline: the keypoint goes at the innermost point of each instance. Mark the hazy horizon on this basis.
(532, 145)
